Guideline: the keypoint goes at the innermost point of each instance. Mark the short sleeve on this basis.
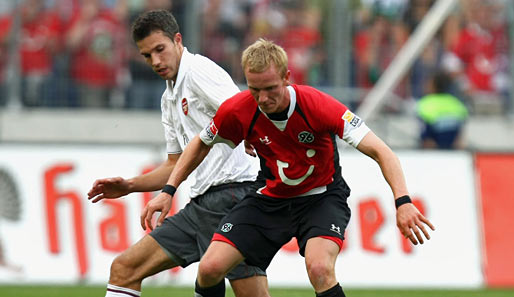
(172, 144)
(225, 127)
(354, 128)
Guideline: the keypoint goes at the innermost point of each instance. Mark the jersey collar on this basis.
(185, 64)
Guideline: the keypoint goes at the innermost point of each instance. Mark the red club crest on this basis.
(185, 107)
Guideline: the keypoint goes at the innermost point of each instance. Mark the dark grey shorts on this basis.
(186, 235)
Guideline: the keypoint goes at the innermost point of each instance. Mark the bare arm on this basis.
(115, 187)
(193, 155)
(408, 217)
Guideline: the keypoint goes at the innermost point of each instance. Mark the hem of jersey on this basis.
(314, 191)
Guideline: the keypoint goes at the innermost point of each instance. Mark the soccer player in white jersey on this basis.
(196, 87)
(293, 129)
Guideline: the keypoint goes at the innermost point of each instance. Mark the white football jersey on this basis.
(188, 105)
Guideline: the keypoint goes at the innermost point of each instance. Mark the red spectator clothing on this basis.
(35, 39)
(4, 32)
(481, 52)
(102, 52)
(298, 42)
(299, 155)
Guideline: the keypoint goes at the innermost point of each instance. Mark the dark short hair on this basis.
(154, 20)
(442, 82)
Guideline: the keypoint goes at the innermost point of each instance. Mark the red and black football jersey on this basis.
(298, 155)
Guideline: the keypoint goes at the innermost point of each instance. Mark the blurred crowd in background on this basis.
(79, 53)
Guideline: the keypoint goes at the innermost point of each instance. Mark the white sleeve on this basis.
(209, 135)
(172, 144)
(354, 129)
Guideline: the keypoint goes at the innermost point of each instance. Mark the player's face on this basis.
(268, 89)
(162, 53)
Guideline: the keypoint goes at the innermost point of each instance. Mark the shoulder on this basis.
(204, 64)
(240, 107)
(240, 103)
(315, 99)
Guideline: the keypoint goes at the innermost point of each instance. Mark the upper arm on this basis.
(372, 146)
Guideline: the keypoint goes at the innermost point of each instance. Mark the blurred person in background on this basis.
(4, 38)
(195, 87)
(301, 39)
(442, 114)
(479, 59)
(97, 43)
(224, 27)
(377, 40)
(37, 44)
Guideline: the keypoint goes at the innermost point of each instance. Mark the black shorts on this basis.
(260, 225)
(186, 235)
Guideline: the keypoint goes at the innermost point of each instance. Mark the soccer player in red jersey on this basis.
(300, 192)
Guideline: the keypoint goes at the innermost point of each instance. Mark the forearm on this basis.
(155, 179)
(193, 155)
(393, 173)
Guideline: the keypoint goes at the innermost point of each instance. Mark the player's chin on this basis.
(268, 108)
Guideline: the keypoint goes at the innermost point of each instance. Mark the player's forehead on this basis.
(263, 79)
(154, 39)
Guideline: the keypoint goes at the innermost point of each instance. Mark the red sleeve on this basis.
(228, 122)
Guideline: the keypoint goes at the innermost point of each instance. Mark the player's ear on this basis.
(177, 38)
(286, 77)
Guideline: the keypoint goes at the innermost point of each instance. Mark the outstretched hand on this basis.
(412, 223)
(110, 188)
(162, 203)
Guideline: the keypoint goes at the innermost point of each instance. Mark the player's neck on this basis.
(279, 116)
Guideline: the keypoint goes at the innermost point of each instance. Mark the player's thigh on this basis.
(327, 216)
(321, 251)
(255, 286)
(144, 258)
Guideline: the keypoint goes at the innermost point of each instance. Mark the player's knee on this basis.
(210, 272)
(121, 271)
(320, 273)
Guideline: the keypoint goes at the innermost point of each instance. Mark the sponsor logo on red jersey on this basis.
(185, 107)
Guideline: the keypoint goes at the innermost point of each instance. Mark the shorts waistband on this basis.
(229, 185)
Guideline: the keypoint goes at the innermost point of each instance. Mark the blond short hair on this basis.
(259, 56)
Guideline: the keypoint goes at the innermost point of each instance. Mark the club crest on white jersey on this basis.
(185, 106)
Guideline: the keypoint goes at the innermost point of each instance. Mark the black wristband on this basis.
(169, 189)
(402, 200)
